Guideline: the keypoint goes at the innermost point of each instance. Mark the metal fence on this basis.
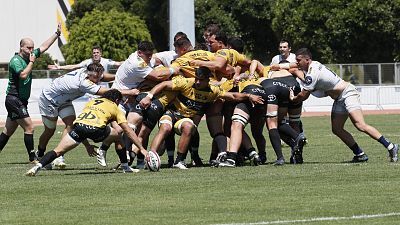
(369, 73)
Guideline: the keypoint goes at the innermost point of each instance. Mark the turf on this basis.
(324, 187)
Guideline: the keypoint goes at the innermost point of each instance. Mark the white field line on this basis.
(318, 219)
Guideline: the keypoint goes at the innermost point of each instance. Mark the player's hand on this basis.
(134, 92)
(32, 58)
(194, 62)
(145, 102)
(58, 28)
(255, 99)
(291, 94)
(143, 151)
(91, 150)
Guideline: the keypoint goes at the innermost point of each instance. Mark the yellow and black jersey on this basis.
(190, 101)
(265, 72)
(245, 83)
(230, 86)
(99, 112)
(231, 56)
(183, 61)
(166, 97)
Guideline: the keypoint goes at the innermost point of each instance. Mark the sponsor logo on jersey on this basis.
(271, 98)
(308, 80)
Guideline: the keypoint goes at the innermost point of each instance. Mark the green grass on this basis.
(323, 186)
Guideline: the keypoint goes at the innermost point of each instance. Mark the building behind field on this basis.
(36, 19)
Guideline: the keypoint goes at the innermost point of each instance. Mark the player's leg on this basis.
(8, 130)
(339, 116)
(240, 118)
(185, 128)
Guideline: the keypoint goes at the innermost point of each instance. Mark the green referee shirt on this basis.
(17, 86)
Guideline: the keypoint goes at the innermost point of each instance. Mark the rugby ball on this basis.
(153, 161)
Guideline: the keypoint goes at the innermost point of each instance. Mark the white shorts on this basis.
(48, 109)
(348, 101)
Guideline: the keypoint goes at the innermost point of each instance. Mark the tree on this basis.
(249, 19)
(118, 33)
(340, 31)
(42, 62)
(153, 12)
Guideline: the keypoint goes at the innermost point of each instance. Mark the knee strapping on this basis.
(272, 114)
(239, 118)
(294, 118)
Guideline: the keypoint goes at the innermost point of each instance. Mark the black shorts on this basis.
(152, 114)
(247, 107)
(277, 92)
(291, 82)
(81, 131)
(16, 108)
(255, 90)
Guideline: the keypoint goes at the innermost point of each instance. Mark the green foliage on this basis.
(153, 12)
(248, 19)
(42, 62)
(116, 32)
(340, 31)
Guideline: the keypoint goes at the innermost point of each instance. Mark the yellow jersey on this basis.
(190, 101)
(166, 97)
(99, 112)
(231, 56)
(183, 61)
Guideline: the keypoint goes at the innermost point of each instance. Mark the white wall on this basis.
(36, 19)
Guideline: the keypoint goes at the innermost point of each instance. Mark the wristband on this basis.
(171, 70)
(150, 95)
(32, 62)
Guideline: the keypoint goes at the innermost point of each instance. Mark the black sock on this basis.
(385, 142)
(231, 155)
(221, 141)
(288, 130)
(356, 149)
(41, 151)
(3, 140)
(28, 139)
(276, 142)
(104, 147)
(194, 145)
(180, 157)
(127, 142)
(48, 158)
(122, 155)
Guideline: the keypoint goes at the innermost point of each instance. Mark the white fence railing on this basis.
(371, 97)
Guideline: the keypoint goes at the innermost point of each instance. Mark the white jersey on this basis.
(133, 71)
(291, 58)
(69, 87)
(106, 63)
(319, 79)
(166, 57)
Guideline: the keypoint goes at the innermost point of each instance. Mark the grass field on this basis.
(324, 190)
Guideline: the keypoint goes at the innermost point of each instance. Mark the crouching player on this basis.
(92, 124)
